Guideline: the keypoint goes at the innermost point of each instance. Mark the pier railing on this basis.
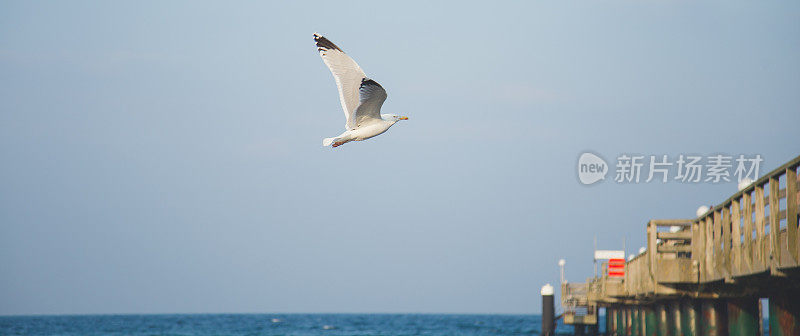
(575, 301)
(754, 231)
(751, 235)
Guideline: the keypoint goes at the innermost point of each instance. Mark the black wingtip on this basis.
(323, 43)
(366, 81)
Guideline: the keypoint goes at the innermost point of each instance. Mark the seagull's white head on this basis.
(393, 117)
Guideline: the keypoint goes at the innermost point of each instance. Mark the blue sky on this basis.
(165, 157)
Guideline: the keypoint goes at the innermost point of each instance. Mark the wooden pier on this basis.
(706, 275)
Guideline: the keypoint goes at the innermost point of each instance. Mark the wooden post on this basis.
(725, 256)
(652, 251)
(759, 248)
(709, 255)
(792, 214)
(774, 225)
(698, 248)
(748, 231)
(736, 239)
(718, 261)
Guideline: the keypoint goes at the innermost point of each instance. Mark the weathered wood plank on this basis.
(698, 247)
(718, 262)
(791, 214)
(736, 239)
(651, 247)
(759, 250)
(774, 224)
(674, 248)
(672, 222)
(748, 234)
(709, 255)
(685, 235)
(726, 241)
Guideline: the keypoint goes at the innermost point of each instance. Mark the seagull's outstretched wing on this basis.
(371, 98)
(347, 73)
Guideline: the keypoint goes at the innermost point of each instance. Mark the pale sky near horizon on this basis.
(165, 157)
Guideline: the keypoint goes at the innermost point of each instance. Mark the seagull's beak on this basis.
(403, 118)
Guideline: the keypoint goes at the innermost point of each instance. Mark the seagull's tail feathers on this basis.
(328, 141)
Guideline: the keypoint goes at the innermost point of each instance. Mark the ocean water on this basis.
(275, 324)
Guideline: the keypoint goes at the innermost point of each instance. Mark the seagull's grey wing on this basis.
(371, 98)
(346, 72)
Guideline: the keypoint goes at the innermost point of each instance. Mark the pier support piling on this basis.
(642, 321)
(662, 326)
(592, 329)
(548, 311)
(743, 316)
(628, 320)
(714, 318)
(675, 318)
(651, 321)
(688, 318)
(610, 321)
(784, 315)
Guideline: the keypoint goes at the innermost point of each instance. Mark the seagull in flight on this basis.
(360, 96)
